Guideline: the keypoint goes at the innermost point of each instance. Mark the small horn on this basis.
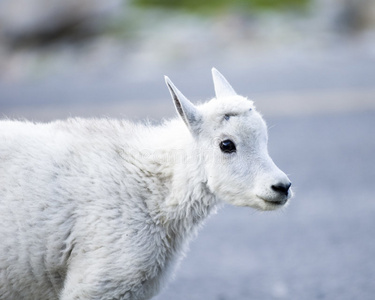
(222, 86)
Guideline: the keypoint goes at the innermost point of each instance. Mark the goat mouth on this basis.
(273, 202)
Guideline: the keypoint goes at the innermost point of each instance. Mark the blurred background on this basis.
(308, 64)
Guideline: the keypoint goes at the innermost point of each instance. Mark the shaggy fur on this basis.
(103, 209)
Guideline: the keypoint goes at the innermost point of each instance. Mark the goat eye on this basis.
(226, 117)
(227, 146)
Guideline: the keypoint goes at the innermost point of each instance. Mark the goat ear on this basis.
(188, 112)
(222, 86)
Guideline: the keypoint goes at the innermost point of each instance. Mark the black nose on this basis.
(282, 188)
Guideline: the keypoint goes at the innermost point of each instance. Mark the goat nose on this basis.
(282, 188)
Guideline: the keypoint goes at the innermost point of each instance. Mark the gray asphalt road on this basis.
(320, 247)
(273, 72)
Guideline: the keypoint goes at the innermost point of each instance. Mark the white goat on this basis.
(102, 209)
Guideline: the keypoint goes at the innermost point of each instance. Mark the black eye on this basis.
(227, 146)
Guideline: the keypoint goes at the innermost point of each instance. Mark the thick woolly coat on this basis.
(88, 207)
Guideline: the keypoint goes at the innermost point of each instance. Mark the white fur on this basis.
(103, 209)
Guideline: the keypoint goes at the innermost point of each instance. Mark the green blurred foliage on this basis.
(213, 6)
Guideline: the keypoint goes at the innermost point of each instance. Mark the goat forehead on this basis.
(240, 116)
(235, 105)
(244, 121)
(246, 125)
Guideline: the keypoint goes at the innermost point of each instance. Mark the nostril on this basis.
(281, 188)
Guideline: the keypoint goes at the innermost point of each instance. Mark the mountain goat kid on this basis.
(102, 209)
